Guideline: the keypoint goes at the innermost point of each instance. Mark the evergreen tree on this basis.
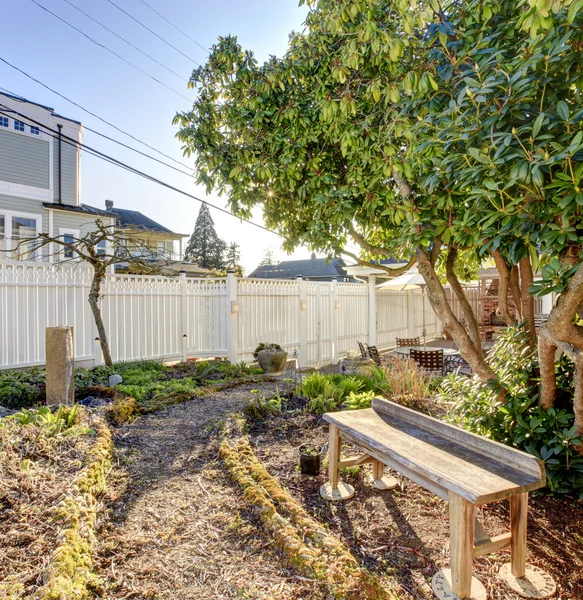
(204, 244)
(233, 256)
(268, 258)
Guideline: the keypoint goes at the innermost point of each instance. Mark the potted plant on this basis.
(355, 363)
(310, 459)
(271, 358)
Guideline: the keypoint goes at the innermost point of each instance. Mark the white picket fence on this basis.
(179, 318)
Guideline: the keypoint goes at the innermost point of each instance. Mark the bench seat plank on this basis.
(435, 461)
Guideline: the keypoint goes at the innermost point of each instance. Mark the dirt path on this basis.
(178, 528)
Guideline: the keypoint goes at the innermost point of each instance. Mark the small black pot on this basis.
(310, 463)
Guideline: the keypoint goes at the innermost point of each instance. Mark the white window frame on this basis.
(34, 130)
(8, 216)
(17, 124)
(3, 120)
(63, 231)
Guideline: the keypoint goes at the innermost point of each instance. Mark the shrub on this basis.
(260, 406)
(19, 389)
(519, 421)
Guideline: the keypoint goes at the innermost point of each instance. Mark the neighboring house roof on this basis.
(51, 110)
(84, 209)
(134, 219)
(312, 268)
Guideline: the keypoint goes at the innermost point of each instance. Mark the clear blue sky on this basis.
(52, 52)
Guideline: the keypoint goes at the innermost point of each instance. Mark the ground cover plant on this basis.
(518, 420)
(148, 381)
(53, 466)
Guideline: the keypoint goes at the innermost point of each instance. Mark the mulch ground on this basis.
(405, 532)
(178, 529)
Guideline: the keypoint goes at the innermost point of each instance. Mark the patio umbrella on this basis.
(409, 281)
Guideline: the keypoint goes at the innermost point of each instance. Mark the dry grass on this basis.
(36, 472)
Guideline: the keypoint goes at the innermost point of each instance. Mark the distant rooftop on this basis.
(311, 268)
(134, 219)
(48, 108)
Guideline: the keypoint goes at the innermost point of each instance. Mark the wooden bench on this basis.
(465, 469)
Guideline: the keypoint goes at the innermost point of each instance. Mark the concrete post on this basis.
(372, 310)
(60, 353)
(232, 318)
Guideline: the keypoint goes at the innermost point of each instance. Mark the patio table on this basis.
(406, 350)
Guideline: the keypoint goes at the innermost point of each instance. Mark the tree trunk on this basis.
(440, 304)
(527, 298)
(94, 294)
(578, 397)
(503, 312)
(514, 285)
(546, 359)
(468, 312)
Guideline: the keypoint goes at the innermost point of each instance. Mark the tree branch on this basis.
(503, 312)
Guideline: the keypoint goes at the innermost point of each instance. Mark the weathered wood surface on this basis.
(439, 456)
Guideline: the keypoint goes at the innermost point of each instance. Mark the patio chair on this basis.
(457, 364)
(402, 342)
(429, 360)
(363, 351)
(380, 360)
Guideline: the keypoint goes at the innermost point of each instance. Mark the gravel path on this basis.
(178, 529)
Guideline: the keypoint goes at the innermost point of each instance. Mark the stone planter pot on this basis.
(359, 366)
(272, 361)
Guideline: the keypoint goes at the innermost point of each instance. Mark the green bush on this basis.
(519, 421)
(20, 389)
(265, 345)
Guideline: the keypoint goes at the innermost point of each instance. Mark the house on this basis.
(40, 176)
(316, 269)
(162, 242)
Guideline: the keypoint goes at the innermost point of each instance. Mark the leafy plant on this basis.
(260, 406)
(265, 346)
(53, 422)
(356, 401)
(519, 421)
(309, 450)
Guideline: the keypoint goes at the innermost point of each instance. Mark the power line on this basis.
(92, 114)
(110, 50)
(152, 32)
(123, 39)
(173, 25)
(106, 157)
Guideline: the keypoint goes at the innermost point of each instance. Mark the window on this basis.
(23, 228)
(69, 236)
(101, 247)
(34, 130)
(2, 231)
(18, 125)
(3, 121)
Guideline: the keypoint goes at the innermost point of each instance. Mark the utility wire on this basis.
(123, 39)
(189, 174)
(106, 157)
(173, 25)
(110, 50)
(91, 113)
(153, 32)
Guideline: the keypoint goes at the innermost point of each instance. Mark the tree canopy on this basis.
(412, 129)
(204, 244)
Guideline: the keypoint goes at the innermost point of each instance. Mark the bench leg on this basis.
(526, 580)
(461, 539)
(457, 582)
(378, 479)
(335, 490)
(518, 514)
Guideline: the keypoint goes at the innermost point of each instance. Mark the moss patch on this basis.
(306, 543)
(69, 574)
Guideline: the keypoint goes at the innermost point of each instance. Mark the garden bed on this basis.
(53, 467)
(404, 534)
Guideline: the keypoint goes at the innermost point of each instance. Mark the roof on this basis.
(134, 219)
(84, 209)
(311, 268)
(50, 109)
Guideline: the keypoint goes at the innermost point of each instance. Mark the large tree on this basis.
(204, 244)
(416, 131)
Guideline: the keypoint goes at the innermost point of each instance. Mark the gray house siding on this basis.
(69, 172)
(25, 205)
(84, 223)
(24, 159)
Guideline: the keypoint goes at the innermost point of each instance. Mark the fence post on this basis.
(372, 310)
(335, 304)
(303, 328)
(232, 318)
(183, 314)
(411, 320)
